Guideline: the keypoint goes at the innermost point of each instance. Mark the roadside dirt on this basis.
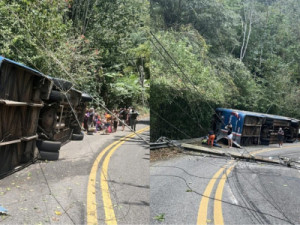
(164, 153)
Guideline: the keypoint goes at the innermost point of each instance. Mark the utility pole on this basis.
(142, 77)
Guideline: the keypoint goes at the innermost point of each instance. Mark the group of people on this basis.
(211, 136)
(110, 120)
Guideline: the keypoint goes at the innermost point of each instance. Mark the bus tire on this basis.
(56, 96)
(86, 98)
(77, 137)
(48, 146)
(50, 156)
(62, 84)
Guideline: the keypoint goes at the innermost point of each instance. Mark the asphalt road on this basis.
(204, 189)
(57, 192)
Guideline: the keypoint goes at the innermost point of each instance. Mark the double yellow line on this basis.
(202, 212)
(218, 214)
(110, 218)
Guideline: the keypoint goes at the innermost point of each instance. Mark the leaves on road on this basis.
(160, 217)
(57, 212)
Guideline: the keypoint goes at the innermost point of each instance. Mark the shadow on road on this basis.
(129, 184)
(141, 203)
(145, 122)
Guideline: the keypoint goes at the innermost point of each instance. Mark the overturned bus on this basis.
(37, 114)
(250, 128)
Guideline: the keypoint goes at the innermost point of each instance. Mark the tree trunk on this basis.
(250, 21)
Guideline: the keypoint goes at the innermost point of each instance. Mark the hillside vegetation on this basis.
(242, 54)
(99, 45)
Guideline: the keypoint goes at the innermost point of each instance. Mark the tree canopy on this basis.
(101, 46)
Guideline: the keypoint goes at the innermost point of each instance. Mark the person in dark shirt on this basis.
(133, 118)
(123, 117)
(115, 121)
(85, 120)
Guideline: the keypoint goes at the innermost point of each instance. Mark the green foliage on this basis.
(160, 217)
(95, 44)
(236, 54)
(176, 115)
(189, 51)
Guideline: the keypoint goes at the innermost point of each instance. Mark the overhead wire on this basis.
(179, 78)
(245, 149)
(179, 67)
(50, 192)
(156, 113)
(223, 201)
(169, 64)
(187, 78)
(261, 193)
(186, 113)
(96, 100)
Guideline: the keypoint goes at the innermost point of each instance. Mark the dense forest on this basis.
(241, 54)
(202, 54)
(99, 45)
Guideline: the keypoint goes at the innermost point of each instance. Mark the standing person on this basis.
(90, 121)
(133, 118)
(128, 116)
(91, 117)
(104, 125)
(123, 117)
(229, 134)
(95, 119)
(211, 138)
(108, 122)
(85, 120)
(97, 122)
(115, 120)
(280, 137)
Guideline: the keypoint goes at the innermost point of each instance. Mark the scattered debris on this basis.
(163, 142)
(233, 154)
(160, 217)
(57, 213)
(3, 211)
(164, 153)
